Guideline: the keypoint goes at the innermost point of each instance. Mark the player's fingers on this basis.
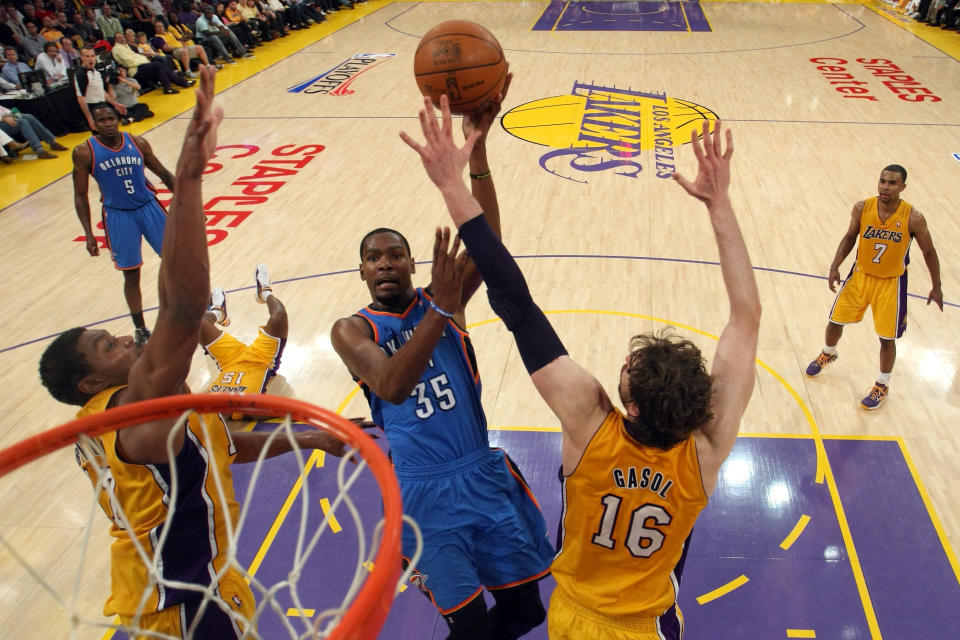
(729, 151)
(695, 143)
(717, 139)
(424, 125)
(506, 85)
(470, 141)
(683, 182)
(413, 144)
(446, 120)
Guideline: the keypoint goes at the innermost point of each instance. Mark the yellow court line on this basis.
(797, 530)
(553, 29)
(801, 633)
(282, 515)
(951, 557)
(334, 523)
(300, 613)
(736, 583)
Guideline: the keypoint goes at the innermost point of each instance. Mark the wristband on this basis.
(480, 176)
(445, 314)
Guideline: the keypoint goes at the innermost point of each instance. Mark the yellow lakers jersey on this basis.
(884, 247)
(195, 498)
(243, 368)
(627, 514)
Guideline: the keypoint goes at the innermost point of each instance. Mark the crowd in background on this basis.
(118, 50)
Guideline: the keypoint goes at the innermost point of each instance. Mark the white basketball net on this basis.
(317, 626)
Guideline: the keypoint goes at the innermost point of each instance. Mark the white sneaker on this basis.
(218, 305)
(263, 282)
(190, 74)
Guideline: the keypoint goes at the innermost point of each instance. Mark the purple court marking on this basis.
(587, 15)
(861, 27)
(914, 590)
(557, 255)
(763, 489)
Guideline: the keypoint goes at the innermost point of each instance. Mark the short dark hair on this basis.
(406, 245)
(51, 43)
(62, 367)
(897, 169)
(667, 380)
(103, 105)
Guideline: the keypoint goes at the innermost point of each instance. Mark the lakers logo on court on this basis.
(598, 129)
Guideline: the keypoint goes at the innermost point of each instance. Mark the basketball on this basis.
(463, 60)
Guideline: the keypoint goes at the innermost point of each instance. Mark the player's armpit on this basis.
(574, 395)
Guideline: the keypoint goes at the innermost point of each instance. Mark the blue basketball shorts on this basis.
(125, 227)
(481, 525)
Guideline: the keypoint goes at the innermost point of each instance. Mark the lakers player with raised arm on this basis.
(634, 482)
(886, 226)
(179, 507)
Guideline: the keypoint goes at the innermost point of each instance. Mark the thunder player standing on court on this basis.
(633, 483)
(885, 226)
(481, 525)
(116, 160)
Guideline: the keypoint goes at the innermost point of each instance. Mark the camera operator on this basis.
(126, 91)
(91, 87)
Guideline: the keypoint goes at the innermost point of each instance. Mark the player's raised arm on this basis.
(734, 365)
(481, 178)
(184, 280)
(572, 393)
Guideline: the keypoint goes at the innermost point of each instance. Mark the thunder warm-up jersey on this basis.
(196, 545)
(628, 511)
(884, 248)
(448, 394)
(120, 174)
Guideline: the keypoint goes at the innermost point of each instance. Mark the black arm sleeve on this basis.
(509, 296)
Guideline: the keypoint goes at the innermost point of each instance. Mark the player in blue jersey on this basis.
(481, 524)
(131, 211)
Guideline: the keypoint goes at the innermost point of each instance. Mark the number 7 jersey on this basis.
(442, 419)
(628, 511)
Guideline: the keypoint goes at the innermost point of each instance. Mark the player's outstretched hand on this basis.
(442, 159)
(936, 295)
(200, 140)
(447, 272)
(484, 116)
(713, 165)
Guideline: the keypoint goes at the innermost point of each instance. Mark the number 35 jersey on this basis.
(442, 419)
(627, 516)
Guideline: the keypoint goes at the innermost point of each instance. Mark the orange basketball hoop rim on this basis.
(372, 603)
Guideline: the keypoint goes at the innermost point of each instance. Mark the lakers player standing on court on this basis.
(100, 371)
(885, 226)
(116, 160)
(481, 525)
(633, 483)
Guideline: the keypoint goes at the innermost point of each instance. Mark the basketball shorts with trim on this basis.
(244, 368)
(125, 228)
(481, 527)
(567, 620)
(214, 621)
(886, 297)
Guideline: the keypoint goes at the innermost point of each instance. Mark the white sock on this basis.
(829, 350)
(884, 378)
(265, 293)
